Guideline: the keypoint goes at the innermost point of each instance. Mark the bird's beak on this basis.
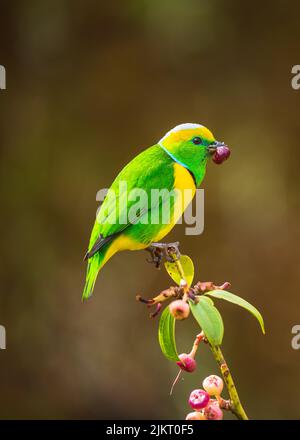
(212, 148)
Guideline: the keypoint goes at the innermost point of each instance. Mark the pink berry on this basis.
(213, 385)
(213, 411)
(222, 153)
(179, 309)
(195, 416)
(186, 363)
(198, 399)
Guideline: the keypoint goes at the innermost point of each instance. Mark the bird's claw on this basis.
(155, 256)
(172, 249)
(159, 250)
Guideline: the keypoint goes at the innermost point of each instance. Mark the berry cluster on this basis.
(206, 403)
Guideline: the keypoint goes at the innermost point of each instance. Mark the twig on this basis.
(197, 341)
(161, 297)
(235, 403)
(177, 263)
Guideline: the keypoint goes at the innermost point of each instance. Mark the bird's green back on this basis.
(151, 169)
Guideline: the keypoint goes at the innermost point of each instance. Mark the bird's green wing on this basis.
(151, 169)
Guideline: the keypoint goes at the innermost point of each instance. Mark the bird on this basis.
(177, 162)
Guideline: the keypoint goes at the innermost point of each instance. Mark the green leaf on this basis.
(223, 294)
(187, 267)
(209, 319)
(166, 335)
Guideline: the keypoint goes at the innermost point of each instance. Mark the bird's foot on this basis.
(156, 256)
(159, 250)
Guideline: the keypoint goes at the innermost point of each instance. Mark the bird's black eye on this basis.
(197, 141)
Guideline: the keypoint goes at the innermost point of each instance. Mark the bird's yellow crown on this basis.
(184, 132)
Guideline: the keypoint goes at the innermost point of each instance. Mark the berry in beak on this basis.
(219, 151)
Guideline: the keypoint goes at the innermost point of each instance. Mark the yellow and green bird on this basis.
(175, 165)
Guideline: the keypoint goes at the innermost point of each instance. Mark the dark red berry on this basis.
(186, 363)
(198, 399)
(222, 153)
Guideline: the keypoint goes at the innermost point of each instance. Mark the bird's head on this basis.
(191, 145)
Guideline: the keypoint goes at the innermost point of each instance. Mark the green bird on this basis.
(131, 218)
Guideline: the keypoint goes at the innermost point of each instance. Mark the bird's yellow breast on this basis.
(185, 188)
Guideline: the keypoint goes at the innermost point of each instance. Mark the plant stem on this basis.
(178, 265)
(235, 403)
(236, 406)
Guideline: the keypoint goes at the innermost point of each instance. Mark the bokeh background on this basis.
(89, 85)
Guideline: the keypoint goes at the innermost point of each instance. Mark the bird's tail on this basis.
(95, 263)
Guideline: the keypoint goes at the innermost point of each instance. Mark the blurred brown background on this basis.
(89, 85)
